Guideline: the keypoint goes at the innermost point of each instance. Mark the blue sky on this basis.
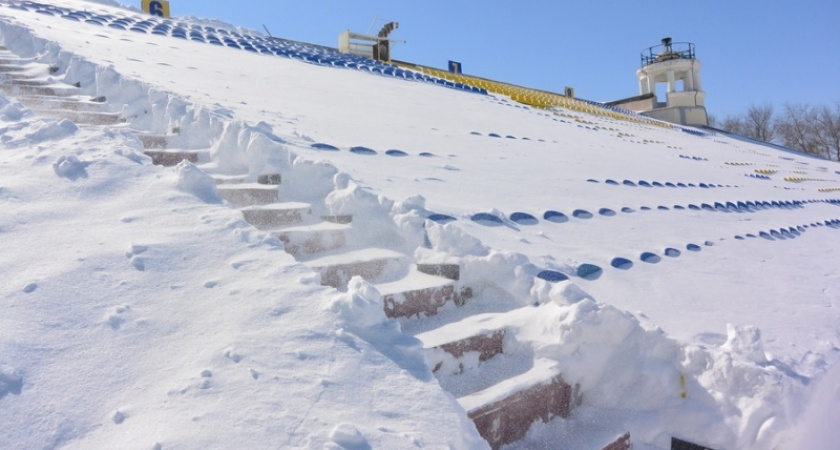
(752, 52)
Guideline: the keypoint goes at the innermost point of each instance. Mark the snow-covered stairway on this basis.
(39, 87)
(500, 383)
(319, 241)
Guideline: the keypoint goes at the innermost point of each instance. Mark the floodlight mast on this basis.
(380, 49)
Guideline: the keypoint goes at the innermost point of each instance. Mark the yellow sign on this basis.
(158, 8)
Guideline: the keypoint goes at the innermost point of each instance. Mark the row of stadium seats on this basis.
(322, 55)
(537, 98)
(219, 36)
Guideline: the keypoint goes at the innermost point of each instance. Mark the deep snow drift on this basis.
(141, 311)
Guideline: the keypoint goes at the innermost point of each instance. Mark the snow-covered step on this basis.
(276, 215)
(7, 66)
(52, 90)
(83, 117)
(622, 442)
(230, 179)
(420, 293)
(343, 218)
(269, 178)
(63, 103)
(8, 74)
(369, 263)
(458, 348)
(272, 178)
(247, 194)
(311, 239)
(171, 158)
(451, 271)
(151, 141)
(504, 413)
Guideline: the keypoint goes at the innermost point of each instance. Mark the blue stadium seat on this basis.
(621, 263)
(552, 276)
(555, 216)
(359, 150)
(321, 146)
(650, 257)
(589, 271)
(487, 219)
(523, 218)
(441, 218)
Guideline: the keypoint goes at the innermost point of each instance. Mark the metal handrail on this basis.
(669, 51)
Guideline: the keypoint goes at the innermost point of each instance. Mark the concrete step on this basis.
(151, 141)
(8, 66)
(622, 442)
(451, 271)
(504, 413)
(344, 218)
(30, 82)
(22, 75)
(248, 194)
(52, 90)
(458, 348)
(420, 293)
(171, 158)
(63, 103)
(82, 117)
(230, 179)
(369, 263)
(277, 215)
(307, 240)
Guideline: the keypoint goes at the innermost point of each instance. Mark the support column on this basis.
(689, 81)
(672, 85)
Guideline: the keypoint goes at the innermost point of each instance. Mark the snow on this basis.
(140, 310)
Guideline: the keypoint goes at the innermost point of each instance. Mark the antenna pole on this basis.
(372, 24)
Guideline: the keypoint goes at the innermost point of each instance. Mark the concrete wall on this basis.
(683, 115)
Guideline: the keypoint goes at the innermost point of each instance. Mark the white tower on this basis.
(673, 64)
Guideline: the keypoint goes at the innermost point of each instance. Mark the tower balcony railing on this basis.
(667, 51)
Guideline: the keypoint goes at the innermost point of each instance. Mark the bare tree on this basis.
(758, 122)
(733, 124)
(797, 128)
(828, 130)
(712, 119)
(812, 129)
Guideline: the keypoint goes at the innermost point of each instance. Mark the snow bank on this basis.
(196, 182)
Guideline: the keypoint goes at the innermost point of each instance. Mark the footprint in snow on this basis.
(136, 261)
(10, 382)
(117, 319)
(349, 437)
(70, 167)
